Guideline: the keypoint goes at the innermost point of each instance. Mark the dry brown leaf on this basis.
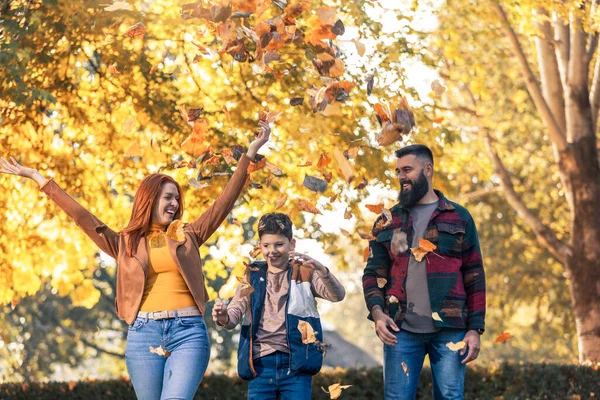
(160, 351)
(381, 282)
(246, 288)
(384, 221)
(307, 332)
(305, 205)
(119, 5)
(281, 200)
(175, 231)
(348, 214)
(345, 166)
(274, 169)
(405, 368)
(335, 390)
(193, 182)
(365, 235)
(136, 31)
(112, 69)
(360, 47)
(324, 160)
(255, 166)
(255, 251)
(345, 232)
(399, 243)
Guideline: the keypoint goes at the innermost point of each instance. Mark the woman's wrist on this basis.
(38, 178)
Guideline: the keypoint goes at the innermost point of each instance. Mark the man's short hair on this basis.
(420, 151)
(275, 224)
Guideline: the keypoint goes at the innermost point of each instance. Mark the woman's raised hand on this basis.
(263, 137)
(14, 168)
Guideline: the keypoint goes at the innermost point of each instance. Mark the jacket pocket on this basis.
(450, 239)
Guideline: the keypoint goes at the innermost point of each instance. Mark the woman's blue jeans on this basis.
(446, 368)
(177, 376)
(276, 381)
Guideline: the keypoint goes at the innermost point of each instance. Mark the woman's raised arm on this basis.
(212, 218)
(104, 237)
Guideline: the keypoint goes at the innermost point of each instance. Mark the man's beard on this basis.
(417, 191)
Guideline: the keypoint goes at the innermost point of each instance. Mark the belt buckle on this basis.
(157, 315)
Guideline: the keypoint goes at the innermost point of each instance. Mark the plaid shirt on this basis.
(455, 275)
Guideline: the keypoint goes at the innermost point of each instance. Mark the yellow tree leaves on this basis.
(307, 332)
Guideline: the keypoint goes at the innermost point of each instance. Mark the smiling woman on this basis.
(160, 284)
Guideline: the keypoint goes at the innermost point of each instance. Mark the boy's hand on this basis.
(219, 313)
(309, 262)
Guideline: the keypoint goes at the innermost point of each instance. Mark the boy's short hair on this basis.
(275, 224)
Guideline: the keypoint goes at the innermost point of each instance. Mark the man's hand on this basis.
(219, 313)
(309, 262)
(383, 323)
(473, 344)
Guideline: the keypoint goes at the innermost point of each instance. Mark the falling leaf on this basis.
(375, 208)
(366, 253)
(395, 122)
(393, 299)
(255, 251)
(381, 282)
(306, 164)
(281, 200)
(153, 68)
(228, 156)
(370, 83)
(160, 351)
(335, 390)
(175, 231)
(405, 368)
(425, 246)
(136, 31)
(399, 243)
(315, 184)
(305, 205)
(133, 150)
(345, 232)
(503, 337)
(348, 214)
(338, 28)
(345, 166)
(438, 120)
(119, 5)
(246, 288)
(112, 69)
(296, 101)
(13, 303)
(456, 346)
(437, 87)
(436, 316)
(274, 169)
(365, 236)
(327, 15)
(383, 221)
(352, 152)
(307, 332)
(324, 160)
(360, 47)
(193, 182)
(255, 166)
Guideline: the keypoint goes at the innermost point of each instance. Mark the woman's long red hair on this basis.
(143, 203)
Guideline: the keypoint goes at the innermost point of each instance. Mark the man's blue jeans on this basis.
(178, 376)
(276, 381)
(446, 368)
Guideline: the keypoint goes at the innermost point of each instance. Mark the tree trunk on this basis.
(583, 262)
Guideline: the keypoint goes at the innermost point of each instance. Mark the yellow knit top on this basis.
(165, 288)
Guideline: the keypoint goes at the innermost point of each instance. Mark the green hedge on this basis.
(508, 381)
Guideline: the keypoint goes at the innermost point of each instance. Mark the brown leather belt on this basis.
(182, 312)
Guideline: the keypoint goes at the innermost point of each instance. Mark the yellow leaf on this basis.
(425, 246)
(456, 346)
(119, 5)
(133, 150)
(381, 282)
(335, 390)
(160, 351)
(307, 331)
(436, 316)
(345, 166)
(281, 200)
(227, 291)
(360, 47)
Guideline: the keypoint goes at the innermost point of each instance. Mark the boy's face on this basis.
(276, 250)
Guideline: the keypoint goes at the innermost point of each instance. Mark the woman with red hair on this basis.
(161, 292)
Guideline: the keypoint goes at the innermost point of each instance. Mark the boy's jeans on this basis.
(446, 368)
(155, 377)
(275, 379)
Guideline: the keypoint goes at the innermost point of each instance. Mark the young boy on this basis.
(271, 354)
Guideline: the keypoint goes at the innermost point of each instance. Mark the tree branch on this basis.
(533, 87)
(544, 234)
(549, 73)
(561, 37)
(592, 42)
(595, 95)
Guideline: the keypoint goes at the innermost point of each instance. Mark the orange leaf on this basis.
(255, 166)
(335, 390)
(324, 160)
(503, 337)
(405, 368)
(348, 214)
(337, 69)
(133, 150)
(375, 208)
(112, 69)
(306, 164)
(425, 246)
(136, 31)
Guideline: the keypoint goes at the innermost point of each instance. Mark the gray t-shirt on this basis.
(418, 315)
